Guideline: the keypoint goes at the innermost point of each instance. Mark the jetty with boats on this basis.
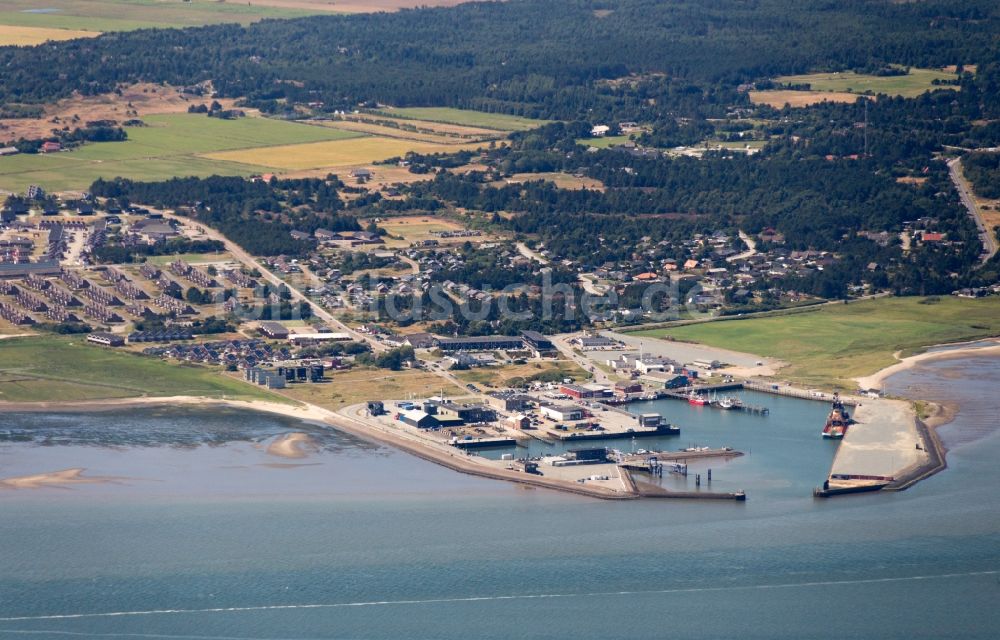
(709, 397)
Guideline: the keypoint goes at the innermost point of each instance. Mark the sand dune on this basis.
(292, 445)
(61, 479)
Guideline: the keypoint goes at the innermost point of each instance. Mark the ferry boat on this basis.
(838, 420)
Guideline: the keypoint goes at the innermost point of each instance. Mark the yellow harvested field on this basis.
(779, 98)
(414, 228)
(356, 6)
(333, 153)
(561, 180)
(391, 132)
(30, 36)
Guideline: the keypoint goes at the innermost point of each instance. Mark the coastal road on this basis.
(965, 193)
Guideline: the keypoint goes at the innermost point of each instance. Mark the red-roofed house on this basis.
(49, 147)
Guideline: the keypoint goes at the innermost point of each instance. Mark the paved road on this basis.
(566, 349)
(751, 248)
(268, 275)
(413, 264)
(320, 312)
(529, 254)
(965, 192)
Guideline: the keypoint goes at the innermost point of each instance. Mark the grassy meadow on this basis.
(505, 375)
(66, 368)
(603, 142)
(466, 117)
(835, 343)
(364, 383)
(914, 83)
(416, 228)
(168, 146)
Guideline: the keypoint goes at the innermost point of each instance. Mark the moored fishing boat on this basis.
(838, 420)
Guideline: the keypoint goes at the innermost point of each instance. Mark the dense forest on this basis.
(257, 215)
(532, 57)
(983, 170)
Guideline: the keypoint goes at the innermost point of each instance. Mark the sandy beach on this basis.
(302, 411)
(875, 380)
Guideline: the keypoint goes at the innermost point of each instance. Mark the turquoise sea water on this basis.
(204, 535)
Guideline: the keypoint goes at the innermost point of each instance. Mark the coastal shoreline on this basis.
(458, 461)
(946, 352)
(325, 417)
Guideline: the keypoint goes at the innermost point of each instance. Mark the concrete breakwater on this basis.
(935, 460)
(886, 448)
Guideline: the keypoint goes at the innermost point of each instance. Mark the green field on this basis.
(911, 85)
(126, 15)
(465, 117)
(504, 376)
(835, 343)
(603, 143)
(191, 258)
(66, 368)
(167, 147)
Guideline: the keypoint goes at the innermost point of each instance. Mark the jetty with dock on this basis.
(887, 449)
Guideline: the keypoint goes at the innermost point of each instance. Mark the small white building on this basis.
(600, 130)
